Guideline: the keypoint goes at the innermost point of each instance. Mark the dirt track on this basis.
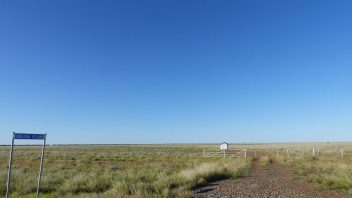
(271, 181)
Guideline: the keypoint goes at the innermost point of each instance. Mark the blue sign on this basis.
(29, 136)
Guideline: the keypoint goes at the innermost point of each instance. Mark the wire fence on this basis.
(333, 152)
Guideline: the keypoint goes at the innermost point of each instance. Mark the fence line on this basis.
(313, 152)
(230, 153)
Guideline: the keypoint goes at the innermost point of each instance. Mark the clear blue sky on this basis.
(177, 71)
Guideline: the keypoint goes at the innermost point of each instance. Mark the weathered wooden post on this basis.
(255, 154)
(341, 152)
(313, 153)
(288, 153)
(277, 154)
(245, 153)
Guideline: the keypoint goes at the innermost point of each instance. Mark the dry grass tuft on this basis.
(264, 161)
(115, 171)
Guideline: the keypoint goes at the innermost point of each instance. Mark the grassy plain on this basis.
(163, 170)
(328, 171)
(328, 168)
(115, 170)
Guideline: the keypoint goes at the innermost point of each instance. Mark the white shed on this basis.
(224, 146)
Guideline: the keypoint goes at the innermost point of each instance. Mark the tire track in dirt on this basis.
(270, 181)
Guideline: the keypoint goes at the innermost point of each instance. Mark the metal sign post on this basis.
(10, 165)
(41, 167)
(25, 136)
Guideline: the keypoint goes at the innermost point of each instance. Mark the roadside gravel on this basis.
(262, 182)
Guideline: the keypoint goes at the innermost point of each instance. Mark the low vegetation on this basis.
(264, 160)
(157, 170)
(329, 171)
(116, 171)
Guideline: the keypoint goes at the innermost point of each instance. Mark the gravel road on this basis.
(270, 181)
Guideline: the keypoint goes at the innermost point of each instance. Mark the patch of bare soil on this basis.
(270, 181)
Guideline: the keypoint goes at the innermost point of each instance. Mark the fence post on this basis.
(203, 153)
(288, 154)
(224, 154)
(255, 154)
(341, 151)
(313, 153)
(277, 154)
(245, 153)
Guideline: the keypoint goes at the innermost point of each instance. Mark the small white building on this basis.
(224, 146)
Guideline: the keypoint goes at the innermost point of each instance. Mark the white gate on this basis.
(225, 153)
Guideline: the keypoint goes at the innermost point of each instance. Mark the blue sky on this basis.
(176, 71)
